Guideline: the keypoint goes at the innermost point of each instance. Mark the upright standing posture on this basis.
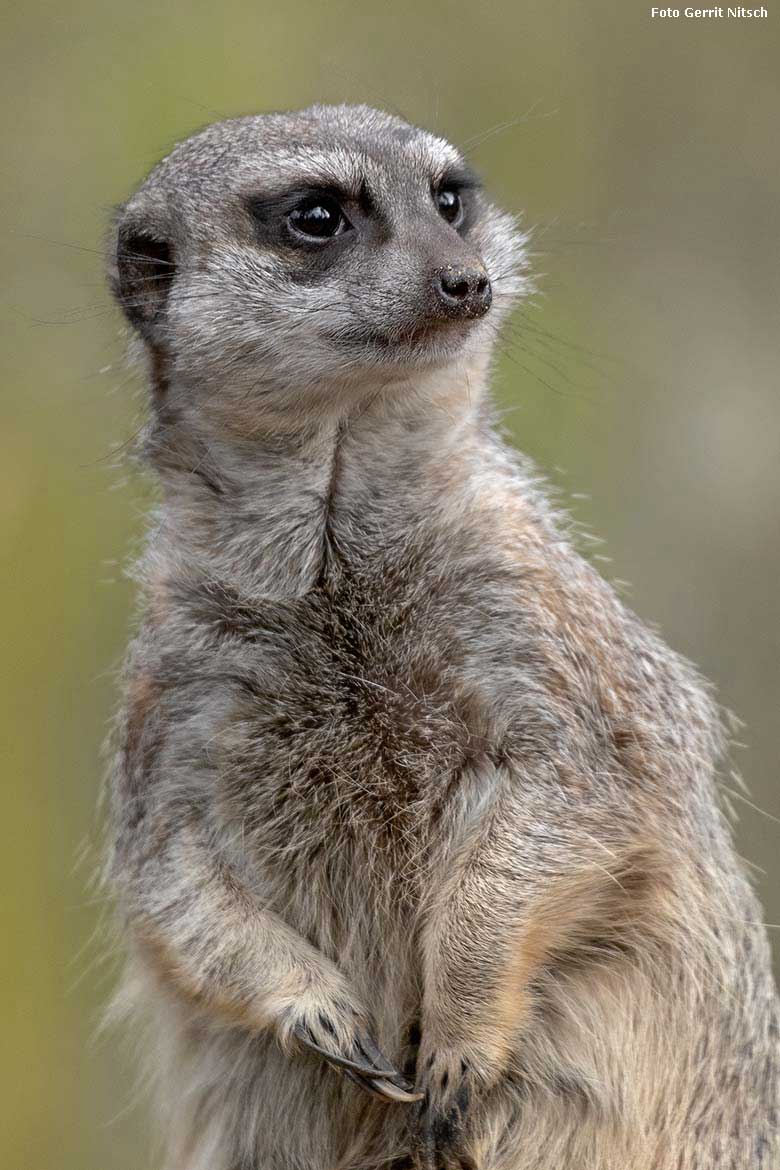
(415, 831)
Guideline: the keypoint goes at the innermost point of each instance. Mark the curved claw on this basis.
(375, 1057)
(376, 1076)
(303, 1035)
(381, 1087)
(386, 1089)
(393, 1092)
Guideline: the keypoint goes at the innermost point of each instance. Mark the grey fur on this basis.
(394, 759)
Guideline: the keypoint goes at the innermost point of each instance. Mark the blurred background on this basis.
(643, 379)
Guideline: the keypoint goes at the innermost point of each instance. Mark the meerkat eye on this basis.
(449, 205)
(318, 218)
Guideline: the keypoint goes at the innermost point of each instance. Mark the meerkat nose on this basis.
(463, 291)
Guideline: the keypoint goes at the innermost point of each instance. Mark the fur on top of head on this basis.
(318, 253)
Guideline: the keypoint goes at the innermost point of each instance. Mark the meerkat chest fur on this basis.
(393, 614)
(362, 644)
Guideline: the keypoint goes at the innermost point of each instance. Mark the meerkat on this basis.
(415, 836)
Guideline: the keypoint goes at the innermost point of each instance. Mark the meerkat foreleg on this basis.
(206, 938)
(494, 927)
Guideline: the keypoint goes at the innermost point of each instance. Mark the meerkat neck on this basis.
(268, 509)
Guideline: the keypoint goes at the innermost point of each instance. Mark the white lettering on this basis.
(710, 13)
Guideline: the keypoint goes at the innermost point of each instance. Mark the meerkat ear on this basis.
(142, 272)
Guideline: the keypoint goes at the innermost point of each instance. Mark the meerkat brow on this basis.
(265, 206)
(460, 176)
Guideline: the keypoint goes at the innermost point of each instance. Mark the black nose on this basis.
(463, 291)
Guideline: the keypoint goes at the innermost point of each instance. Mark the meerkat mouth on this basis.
(429, 340)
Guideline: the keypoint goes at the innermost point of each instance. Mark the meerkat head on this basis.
(302, 258)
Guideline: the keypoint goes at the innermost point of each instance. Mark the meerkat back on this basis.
(415, 839)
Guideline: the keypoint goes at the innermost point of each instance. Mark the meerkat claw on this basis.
(375, 1074)
(383, 1087)
(374, 1055)
(369, 1067)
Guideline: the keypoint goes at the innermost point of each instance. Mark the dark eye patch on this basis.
(277, 220)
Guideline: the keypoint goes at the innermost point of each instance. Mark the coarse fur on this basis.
(394, 761)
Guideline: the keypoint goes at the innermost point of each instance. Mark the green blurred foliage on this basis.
(644, 374)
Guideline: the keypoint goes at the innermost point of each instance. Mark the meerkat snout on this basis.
(464, 291)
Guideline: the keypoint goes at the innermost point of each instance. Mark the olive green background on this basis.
(644, 379)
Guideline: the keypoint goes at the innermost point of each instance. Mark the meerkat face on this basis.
(328, 248)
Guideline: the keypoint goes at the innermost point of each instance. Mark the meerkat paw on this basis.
(451, 1083)
(341, 1037)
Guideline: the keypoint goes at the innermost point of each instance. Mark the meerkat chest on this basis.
(357, 709)
(364, 702)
